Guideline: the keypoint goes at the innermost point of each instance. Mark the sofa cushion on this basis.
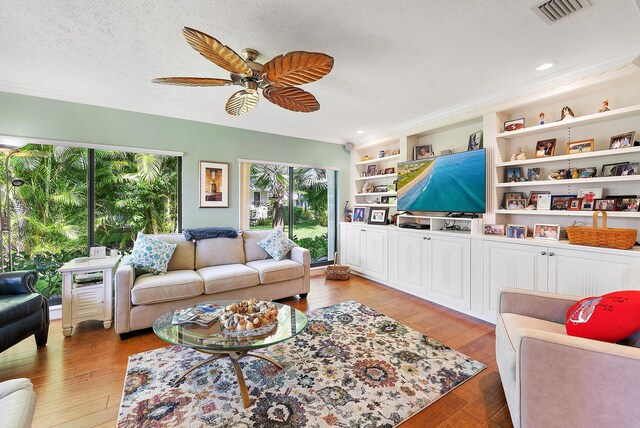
(513, 325)
(277, 244)
(174, 285)
(219, 251)
(251, 238)
(228, 277)
(275, 271)
(17, 306)
(151, 255)
(184, 256)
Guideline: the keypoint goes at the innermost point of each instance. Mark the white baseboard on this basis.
(317, 271)
(55, 312)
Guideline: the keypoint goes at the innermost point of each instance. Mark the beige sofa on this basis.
(18, 403)
(206, 270)
(551, 379)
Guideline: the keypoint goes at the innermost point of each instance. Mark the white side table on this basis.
(93, 301)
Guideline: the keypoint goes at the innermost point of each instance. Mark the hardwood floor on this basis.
(78, 380)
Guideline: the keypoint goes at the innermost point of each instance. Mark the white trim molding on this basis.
(295, 165)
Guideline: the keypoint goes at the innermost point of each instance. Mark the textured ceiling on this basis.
(395, 61)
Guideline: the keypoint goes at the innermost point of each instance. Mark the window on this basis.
(301, 200)
(68, 198)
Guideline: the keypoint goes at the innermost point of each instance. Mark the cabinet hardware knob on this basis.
(424, 237)
(544, 253)
(552, 254)
(428, 238)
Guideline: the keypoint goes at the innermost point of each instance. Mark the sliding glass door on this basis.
(300, 200)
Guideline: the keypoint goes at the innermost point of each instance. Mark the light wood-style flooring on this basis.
(78, 380)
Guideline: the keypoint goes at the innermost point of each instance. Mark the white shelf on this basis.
(382, 159)
(559, 213)
(568, 182)
(373, 177)
(377, 194)
(569, 123)
(550, 159)
(375, 205)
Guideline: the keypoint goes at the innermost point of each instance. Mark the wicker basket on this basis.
(602, 236)
(336, 271)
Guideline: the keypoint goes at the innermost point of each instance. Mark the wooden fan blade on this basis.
(241, 102)
(296, 68)
(192, 81)
(216, 52)
(292, 98)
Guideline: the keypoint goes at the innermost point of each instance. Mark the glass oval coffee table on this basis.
(211, 340)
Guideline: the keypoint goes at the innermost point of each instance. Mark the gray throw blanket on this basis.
(209, 232)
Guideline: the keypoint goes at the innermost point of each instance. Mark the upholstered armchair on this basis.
(551, 379)
(23, 311)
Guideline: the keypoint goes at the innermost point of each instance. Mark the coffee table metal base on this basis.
(235, 357)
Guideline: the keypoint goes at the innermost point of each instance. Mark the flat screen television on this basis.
(453, 183)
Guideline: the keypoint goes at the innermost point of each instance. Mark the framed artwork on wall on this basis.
(214, 184)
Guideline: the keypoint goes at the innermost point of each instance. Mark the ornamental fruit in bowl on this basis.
(249, 318)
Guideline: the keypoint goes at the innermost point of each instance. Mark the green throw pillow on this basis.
(277, 244)
(151, 254)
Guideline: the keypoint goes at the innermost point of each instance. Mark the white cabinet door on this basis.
(352, 246)
(450, 273)
(375, 253)
(88, 302)
(509, 265)
(406, 261)
(584, 273)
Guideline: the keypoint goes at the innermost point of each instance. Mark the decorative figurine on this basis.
(567, 113)
(347, 212)
(574, 173)
(365, 158)
(605, 106)
(518, 155)
(367, 188)
(541, 118)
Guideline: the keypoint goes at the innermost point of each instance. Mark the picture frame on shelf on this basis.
(475, 141)
(371, 170)
(493, 229)
(546, 231)
(378, 172)
(622, 141)
(605, 204)
(533, 197)
(588, 172)
(630, 168)
(575, 204)
(589, 195)
(544, 202)
(516, 204)
(378, 216)
(359, 214)
(533, 174)
(393, 200)
(380, 189)
(511, 195)
(514, 125)
(389, 171)
(611, 169)
(514, 174)
(582, 146)
(545, 148)
(516, 231)
(619, 199)
(629, 205)
(560, 202)
(422, 152)
(214, 184)
(384, 199)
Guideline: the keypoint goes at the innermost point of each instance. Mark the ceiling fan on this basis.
(277, 78)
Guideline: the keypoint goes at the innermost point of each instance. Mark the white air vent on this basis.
(553, 11)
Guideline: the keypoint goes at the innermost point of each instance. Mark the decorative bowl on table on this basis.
(249, 318)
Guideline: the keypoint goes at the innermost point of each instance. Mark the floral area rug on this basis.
(351, 367)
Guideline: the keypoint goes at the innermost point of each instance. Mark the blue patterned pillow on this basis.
(151, 254)
(277, 244)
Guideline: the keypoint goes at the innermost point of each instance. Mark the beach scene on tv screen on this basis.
(452, 183)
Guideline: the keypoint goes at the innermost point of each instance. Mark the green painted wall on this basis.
(34, 117)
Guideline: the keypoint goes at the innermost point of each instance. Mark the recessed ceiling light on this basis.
(359, 131)
(545, 66)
